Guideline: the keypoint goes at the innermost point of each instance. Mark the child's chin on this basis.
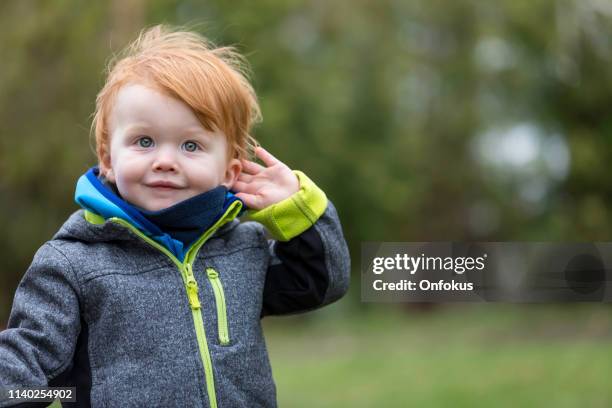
(162, 201)
(157, 204)
(162, 206)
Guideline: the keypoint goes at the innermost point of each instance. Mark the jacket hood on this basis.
(99, 199)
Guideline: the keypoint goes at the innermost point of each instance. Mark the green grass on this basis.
(462, 356)
(485, 355)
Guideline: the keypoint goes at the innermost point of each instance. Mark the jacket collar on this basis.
(101, 204)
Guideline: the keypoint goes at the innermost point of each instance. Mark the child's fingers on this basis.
(251, 201)
(266, 157)
(250, 167)
(247, 178)
(244, 187)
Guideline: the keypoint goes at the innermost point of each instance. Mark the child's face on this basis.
(155, 139)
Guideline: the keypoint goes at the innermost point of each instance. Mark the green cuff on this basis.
(295, 214)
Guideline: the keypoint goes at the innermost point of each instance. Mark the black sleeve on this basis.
(300, 280)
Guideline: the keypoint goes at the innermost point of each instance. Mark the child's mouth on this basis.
(164, 185)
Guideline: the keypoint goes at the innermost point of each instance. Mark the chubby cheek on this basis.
(126, 172)
(208, 176)
(124, 178)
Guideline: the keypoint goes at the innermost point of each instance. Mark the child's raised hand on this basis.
(259, 186)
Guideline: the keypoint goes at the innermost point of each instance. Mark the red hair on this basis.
(212, 81)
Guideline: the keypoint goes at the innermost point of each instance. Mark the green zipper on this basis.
(215, 281)
(191, 285)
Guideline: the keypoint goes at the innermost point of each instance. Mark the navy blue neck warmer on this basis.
(187, 220)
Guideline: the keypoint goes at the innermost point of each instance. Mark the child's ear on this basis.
(110, 176)
(106, 170)
(234, 167)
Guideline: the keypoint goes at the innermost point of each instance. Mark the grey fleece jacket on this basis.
(105, 311)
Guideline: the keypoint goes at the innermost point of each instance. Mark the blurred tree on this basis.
(422, 120)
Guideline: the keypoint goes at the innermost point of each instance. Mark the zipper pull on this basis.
(212, 274)
(192, 288)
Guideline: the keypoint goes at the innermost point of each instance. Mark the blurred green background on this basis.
(422, 120)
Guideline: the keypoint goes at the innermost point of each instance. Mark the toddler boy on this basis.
(152, 293)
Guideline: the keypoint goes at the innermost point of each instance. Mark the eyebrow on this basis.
(192, 131)
(138, 126)
(199, 132)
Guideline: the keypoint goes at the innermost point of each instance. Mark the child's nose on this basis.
(165, 160)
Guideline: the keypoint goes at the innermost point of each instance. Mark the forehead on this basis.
(136, 103)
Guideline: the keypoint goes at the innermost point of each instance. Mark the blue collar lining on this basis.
(92, 176)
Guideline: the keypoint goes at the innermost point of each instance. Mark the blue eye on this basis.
(145, 141)
(190, 146)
